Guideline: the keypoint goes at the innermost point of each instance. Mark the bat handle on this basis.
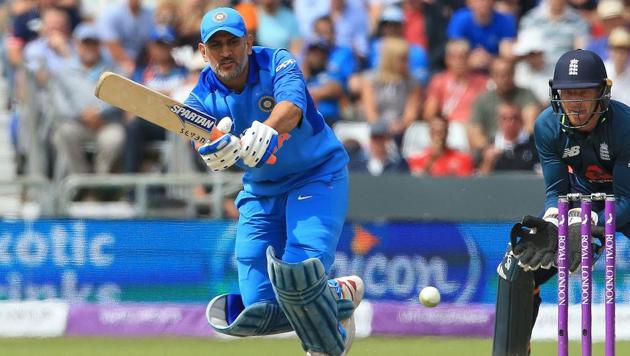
(216, 133)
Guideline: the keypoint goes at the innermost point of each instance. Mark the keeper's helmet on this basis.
(580, 69)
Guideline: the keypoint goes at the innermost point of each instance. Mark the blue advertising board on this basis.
(192, 261)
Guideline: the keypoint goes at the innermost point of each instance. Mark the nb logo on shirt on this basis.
(571, 152)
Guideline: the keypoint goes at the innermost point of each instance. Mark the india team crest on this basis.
(266, 103)
(220, 17)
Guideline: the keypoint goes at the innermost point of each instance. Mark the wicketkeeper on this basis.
(584, 147)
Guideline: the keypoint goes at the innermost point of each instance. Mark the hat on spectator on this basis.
(222, 19)
(163, 34)
(378, 128)
(392, 14)
(619, 37)
(609, 8)
(86, 31)
(529, 41)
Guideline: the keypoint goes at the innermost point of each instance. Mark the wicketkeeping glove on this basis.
(535, 241)
(223, 152)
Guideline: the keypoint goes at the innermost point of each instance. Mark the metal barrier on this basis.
(223, 184)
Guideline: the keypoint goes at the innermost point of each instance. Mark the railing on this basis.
(223, 184)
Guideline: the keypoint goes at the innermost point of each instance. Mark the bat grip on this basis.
(216, 133)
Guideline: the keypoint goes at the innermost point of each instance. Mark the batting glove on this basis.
(258, 143)
(223, 152)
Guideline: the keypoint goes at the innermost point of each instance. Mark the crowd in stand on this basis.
(424, 87)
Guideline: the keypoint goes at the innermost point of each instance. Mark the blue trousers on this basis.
(300, 224)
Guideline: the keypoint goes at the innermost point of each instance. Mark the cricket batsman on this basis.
(582, 141)
(292, 211)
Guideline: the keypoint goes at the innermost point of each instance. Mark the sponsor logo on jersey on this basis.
(286, 64)
(193, 117)
(573, 66)
(597, 174)
(266, 103)
(603, 151)
(571, 152)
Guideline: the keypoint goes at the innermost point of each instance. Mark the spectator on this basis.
(358, 157)
(415, 29)
(610, 13)
(513, 148)
(437, 16)
(618, 64)
(50, 52)
(27, 16)
(483, 125)
(351, 25)
(248, 10)
(562, 27)
(167, 14)
(532, 71)
(79, 116)
(186, 25)
(390, 25)
(324, 28)
(383, 155)
(307, 12)
(325, 84)
(159, 73)
(451, 93)
(439, 160)
(126, 28)
(277, 26)
(26, 23)
(341, 60)
(390, 95)
(488, 31)
(375, 11)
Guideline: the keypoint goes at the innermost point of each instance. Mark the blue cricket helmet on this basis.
(579, 69)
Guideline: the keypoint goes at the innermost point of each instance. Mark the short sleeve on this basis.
(288, 80)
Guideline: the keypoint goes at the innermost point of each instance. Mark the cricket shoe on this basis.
(351, 288)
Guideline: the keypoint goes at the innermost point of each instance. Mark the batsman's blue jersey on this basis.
(599, 161)
(312, 150)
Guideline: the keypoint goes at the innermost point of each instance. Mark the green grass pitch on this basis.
(68, 346)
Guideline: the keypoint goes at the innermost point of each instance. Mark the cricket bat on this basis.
(159, 109)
